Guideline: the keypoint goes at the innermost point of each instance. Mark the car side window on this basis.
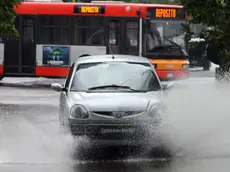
(153, 83)
(69, 76)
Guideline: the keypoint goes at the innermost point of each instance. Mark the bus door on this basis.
(122, 34)
(114, 35)
(20, 53)
(11, 52)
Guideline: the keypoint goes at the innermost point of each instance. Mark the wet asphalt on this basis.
(30, 140)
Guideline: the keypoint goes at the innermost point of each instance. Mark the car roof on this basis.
(108, 58)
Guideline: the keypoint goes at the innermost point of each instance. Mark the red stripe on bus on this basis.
(52, 71)
(56, 8)
(175, 74)
(1, 70)
(48, 8)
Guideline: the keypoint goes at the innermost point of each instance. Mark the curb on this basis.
(25, 85)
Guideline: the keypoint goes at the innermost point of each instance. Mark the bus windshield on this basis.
(165, 38)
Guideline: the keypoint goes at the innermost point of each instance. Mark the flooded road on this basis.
(196, 130)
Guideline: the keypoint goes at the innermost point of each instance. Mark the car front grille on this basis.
(117, 114)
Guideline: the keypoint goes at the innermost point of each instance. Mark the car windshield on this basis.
(115, 76)
(165, 37)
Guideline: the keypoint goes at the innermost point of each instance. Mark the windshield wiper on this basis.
(114, 86)
(174, 43)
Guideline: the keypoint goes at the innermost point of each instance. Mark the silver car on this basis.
(112, 99)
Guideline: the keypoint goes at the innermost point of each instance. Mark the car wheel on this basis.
(206, 65)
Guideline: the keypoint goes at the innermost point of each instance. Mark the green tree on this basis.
(215, 14)
(150, 1)
(7, 17)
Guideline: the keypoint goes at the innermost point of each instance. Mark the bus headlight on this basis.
(185, 66)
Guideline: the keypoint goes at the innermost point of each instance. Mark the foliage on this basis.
(215, 15)
(149, 1)
(7, 17)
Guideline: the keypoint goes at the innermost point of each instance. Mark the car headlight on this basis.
(156, 111)
(79, 111)
(185, 66)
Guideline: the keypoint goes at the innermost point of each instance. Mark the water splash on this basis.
(196, 124)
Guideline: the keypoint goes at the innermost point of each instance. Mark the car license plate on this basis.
(117, 130)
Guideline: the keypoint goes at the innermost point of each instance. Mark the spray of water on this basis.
(197, 120)
(29, 128)
(22, 141)
(195, 125)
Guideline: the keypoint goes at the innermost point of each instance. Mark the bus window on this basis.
(54, 30)
(165, 33)
(88, 30)
(154, 38)
(28, 30)
(54, 20)
(131, 43)
(115, 36)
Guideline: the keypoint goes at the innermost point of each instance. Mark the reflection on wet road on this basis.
(196, 129)
(179, 165)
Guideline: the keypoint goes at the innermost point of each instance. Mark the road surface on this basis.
(195, 128)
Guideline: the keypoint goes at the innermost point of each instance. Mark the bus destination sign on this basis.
(89, 9)
(166, 13)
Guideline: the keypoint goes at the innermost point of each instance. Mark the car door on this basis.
(63, 112)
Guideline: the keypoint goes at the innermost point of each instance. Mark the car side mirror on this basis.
(57, 87)
(167, 87)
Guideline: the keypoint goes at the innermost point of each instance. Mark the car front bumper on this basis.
(115, 134)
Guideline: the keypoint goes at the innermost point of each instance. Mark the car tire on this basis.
(206, 67)
(206, 64)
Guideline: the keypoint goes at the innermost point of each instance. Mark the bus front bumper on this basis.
(172, 75)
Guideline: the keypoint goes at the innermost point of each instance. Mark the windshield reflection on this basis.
(135, 76)
(165, 37)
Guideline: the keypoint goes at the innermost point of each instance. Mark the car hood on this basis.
(115, 101)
